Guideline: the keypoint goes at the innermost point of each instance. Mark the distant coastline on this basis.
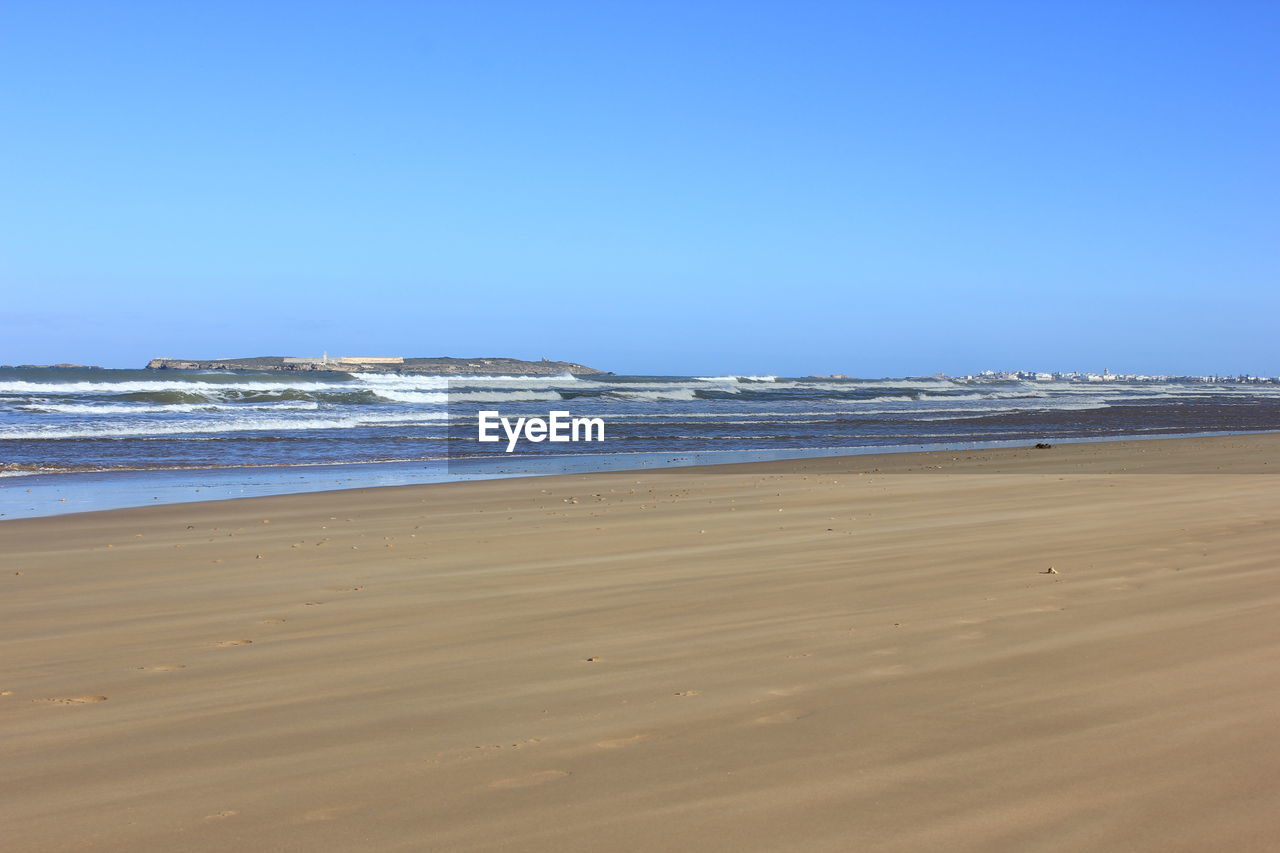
(442, 365)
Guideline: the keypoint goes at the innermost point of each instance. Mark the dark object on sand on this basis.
(1040, 445)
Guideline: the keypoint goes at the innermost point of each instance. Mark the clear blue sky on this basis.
(874, 188)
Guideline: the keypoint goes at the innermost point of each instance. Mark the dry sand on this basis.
(829, 655)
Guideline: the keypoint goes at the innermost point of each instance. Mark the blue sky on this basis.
(876, 188)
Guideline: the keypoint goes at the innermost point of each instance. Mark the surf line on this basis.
(556, 426)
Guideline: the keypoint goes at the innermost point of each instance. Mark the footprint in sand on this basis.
(166, 667)
(273, 621)
(788, 716)
(330, 813)
(344, 588)
(72, 700)
(540, 778)
(222, 814)
(225, 644)
(687, 693)
(619, 742)
(523, 743)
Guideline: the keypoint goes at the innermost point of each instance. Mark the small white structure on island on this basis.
(347, 360)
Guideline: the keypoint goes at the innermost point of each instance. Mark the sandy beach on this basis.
(1067, 649)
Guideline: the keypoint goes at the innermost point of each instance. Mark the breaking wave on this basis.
(171, 408)
(153, 428)
(673, 394)
(132, 419)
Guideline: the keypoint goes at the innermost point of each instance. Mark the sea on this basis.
(76, 439)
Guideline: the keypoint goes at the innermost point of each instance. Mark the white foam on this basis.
(411, 396)
(890, 398)
(358, 382)
(442, 397)
(120, 429)
(380, 382)
(503, 396)
(673, 394)
(623, 386)
(99, 388)
(177, 408)
(435, 381)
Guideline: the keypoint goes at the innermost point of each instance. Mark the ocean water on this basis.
(63, 421)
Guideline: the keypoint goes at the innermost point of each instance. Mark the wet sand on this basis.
(1065, 649)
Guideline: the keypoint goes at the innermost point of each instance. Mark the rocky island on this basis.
(379, 364)
(66, 365)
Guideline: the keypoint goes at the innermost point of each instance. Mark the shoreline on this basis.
(40, 494)
(1024, 649)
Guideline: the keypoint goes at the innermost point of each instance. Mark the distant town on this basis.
(1108, 376)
